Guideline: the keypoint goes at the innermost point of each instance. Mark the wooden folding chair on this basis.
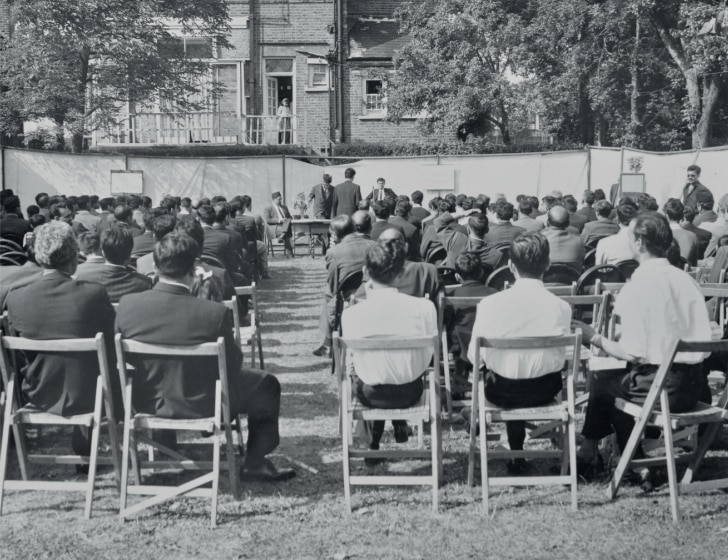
(139, 421)
(249, 335)
(16, 416)
(558, 410)
(444, 303)
(652, 413)
(426, 410)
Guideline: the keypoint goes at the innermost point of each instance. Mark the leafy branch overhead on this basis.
(77, 62)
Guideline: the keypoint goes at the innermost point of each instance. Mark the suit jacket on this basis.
(12, 277)
(14, 228)
(57, 306)
(702, 235)
(707, 216)
(692, 198)
(528, 223)
(594, 231)
(219, 244)
(411, 235)
(250, 228)
(502, 233)
(418, 279)
(379, 226)
(117, 280)
(714, 238)
(182, 388)
(143, 243)
(420, 213)
(346, 198)
(347, 257)
(565, 247)
(588, 212)
(272, 218)
(577, 220)
(87, 219)
(375, 194)
(236, 238)
(688, 243)
(322, 196)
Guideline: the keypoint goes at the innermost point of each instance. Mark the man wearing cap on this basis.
(694, 189)
(278, 219)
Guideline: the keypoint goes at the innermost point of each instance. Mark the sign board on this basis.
(127, 182)
(632, 182)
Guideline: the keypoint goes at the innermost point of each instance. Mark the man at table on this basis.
(659, 304)
(278, 218)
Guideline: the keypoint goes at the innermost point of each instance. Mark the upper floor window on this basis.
(318, 74)
(374, 100)
(189, 47)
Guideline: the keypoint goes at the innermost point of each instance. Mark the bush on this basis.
(205, 150)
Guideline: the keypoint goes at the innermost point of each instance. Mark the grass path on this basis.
(305, 518)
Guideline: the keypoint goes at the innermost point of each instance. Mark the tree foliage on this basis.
(77, 62)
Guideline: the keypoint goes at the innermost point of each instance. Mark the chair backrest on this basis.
(211, 260)
(447, 275)
(128, 347)
(627, 267)
(590, 258)
(436, 255)
(350, 284)
(450, 288)
(252, 293)
(13, 258)
(9, 245)
(505, 253)
(562, 290)
(232, 305)
(74, 346)
(602, 272)
(599, 304)
(561, 274)
(499, 277)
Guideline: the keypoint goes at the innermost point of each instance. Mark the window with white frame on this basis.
(188, 47)
(374, 99)
(318, 74)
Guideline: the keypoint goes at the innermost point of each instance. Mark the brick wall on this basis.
(5, 18)
(367, 8)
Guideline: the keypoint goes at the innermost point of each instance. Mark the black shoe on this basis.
(266, 472)
(402, 433)
(642, 478)
(82, 469)
(322, 350)
(590, 470)
(517, 466)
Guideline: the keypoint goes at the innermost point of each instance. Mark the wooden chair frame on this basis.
(562, 411)
(250, 334)
(649, 413)
(134, 422)
(15, 416)
(427, 410)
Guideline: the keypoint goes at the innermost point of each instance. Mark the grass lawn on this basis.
(306, 517)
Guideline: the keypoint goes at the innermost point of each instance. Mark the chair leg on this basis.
(346, 431)
(473, 428)
(21, 449)
(215, 474)
(95, 429)
(252, 352)
(114, 442)
(670, 457)
(260, 352)
(4, 443)
(230, 450)
(483, 448)
(125, 465)
(571, 428)
(704, 444)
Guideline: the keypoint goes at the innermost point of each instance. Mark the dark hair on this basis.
(478, 223)
(162, 225)
(221, 212)
(117, 243)
(341, 226)
(106, 203)
(417, 197)
(36, 220)
(548, 201)
(529, 253)
(175, 255)
(625, 213)
(122, 214)
(247, 201)
(186, 202)
(385, 260)
(534, 202)
(402, 208)
(647, 203)
(89, 242)
(654, 231)
(695, 168)
(688, 214)
(603, 208)
(168, 203)
(673, 254)
(82, 202)
(570, 203)
(469, 266)
(589, 197)
(349, 173)
(194, 230)
(206, 213)
(599, 194)
(525, 206)
(42, 199)
(327, 178)
(32, 210)
(381, 209)
(467, 203)
(673, 209)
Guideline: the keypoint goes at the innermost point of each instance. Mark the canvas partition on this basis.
(301, 178)
(714, 174)
(664, 173)
(31, 172)
(604, 168)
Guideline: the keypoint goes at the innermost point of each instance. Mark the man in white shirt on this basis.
(616, 248)
(388, 379)
(660, 303)
(522, 378)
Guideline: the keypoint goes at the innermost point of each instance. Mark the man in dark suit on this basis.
(346, 195)
(702, 234)
(602, 227)
(144, 243)
(218, 242)
(694, 189)
(380, 192)
(575, 219)
(279, 219)
(185, 388)
(114, 274)
(12, 226)
(57, 306)
(255, 246)
(418, 211)
(18, 276)
(322, 196)
(411, 233)
(503, 231)
(705, 210)
(382, 212)
(565, 247)
(587, 210)
(474, 242)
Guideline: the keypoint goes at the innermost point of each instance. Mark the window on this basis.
(188, 47)
(374, 100)
(318, 74)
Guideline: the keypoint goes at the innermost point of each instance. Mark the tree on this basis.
(78, 62)
(460, 65)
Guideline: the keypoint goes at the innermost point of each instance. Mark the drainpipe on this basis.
(340, 69)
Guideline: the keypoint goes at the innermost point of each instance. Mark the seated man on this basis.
(565, 247)
(113, 274)
(279, 219)
(57, 306)
(169, 314)
(602, 227)
(388, 379)
(218, 243)
(469, 272)
(650, 315)
(616, 248)
(522, 378)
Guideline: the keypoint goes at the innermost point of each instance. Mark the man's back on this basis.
(688, 243)
(57, 306)
(594, 231)
(169, 314)
(345, 199)
(347, 257)
(117, 280)
(565, 247)
(502, 233)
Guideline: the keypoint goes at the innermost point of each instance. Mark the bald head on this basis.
(362, 221)
(391, 234)
(559, 217)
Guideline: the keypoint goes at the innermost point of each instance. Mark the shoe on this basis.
(466, 413)
(402, 433)
(517, 466)
(642, 478)
(82, 469)
(590, 470)
(321, 351)
(265, 472)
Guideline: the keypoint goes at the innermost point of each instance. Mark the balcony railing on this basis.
(202, 127)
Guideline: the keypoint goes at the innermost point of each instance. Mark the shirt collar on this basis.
(379, 292)
(178, 284)
(528, 283)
